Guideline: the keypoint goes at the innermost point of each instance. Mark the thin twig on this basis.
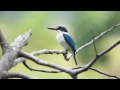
(104, 73)
(94, 42)
(33, 69)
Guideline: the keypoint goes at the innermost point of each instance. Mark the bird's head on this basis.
(59, 28)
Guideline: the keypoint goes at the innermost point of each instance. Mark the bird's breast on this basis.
(61, 40)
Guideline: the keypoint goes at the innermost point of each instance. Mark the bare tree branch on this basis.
(11, 52)
(3, 43)
(35, 53)
(96, 38)
(18, 60)
(16, 75)
(45, 63)
(7, 57)
(86, 67)
(74, 76)
(49, 52)
(93, 69)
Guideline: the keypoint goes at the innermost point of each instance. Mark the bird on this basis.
(65, 40)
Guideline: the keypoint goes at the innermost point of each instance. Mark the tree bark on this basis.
(11, 52)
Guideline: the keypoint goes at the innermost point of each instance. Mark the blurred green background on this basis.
(78, 23)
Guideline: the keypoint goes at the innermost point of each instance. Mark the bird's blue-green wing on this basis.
(70, 42)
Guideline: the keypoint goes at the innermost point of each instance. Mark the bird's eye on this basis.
(59, 27)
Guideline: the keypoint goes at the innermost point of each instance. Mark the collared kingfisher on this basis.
(65, 40)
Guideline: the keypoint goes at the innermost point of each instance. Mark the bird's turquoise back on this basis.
(69, 40)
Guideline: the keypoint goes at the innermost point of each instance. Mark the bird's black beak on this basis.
(51, 28)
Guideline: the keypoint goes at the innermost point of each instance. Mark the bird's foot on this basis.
(65, 56)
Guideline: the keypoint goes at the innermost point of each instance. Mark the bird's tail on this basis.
(75, 58)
